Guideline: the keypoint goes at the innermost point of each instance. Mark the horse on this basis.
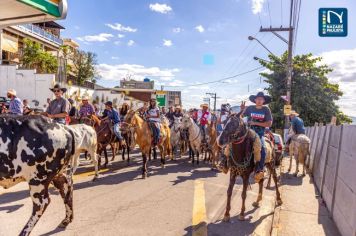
(129, 137)
(144, 138)
(195, 136)
(299, 148)
(176, 135)
(213, 148)
(242, 147)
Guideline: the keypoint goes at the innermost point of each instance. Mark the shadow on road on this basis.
(10, 209)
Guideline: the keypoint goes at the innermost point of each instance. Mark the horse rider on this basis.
(26, 108)
(142, 112)
(170, 116)
(224, 113)
(297, 125)
(154, 120)
(163, 111)
(16, 106)
(259, 118)
(113, 116)
(73, 112)
(178, 112)
(86, 109)
(204, 118)
(58, 108)
(123, 111)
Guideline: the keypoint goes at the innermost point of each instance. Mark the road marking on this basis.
(199, 221)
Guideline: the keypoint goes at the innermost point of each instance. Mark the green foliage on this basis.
(84, 66)
(313, 97)
(34, 57)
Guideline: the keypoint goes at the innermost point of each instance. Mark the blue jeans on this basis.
(117, 131)
(261, 133)
(155, 130)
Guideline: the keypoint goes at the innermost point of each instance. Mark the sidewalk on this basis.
(302, 212)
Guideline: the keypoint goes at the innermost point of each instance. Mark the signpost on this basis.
(287, 110)
(161, 98)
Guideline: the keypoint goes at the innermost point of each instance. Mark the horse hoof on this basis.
(95, 178)
(279, 202)
(241, 218)
(163, 166)
(303, 175)
(226, 219)
(255, 204)
(289, 170)
(296, 174)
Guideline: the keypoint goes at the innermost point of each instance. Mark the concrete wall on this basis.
(27, 84)
(333, 164)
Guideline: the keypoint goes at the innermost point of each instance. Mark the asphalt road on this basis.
(177, 200)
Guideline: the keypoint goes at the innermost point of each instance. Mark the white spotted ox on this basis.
(35, 150)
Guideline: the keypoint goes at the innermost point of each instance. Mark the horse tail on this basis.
(73, 141)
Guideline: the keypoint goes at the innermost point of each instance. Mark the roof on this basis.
(51, 24)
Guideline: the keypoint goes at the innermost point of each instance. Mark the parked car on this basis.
(279, 146)
(4, 102)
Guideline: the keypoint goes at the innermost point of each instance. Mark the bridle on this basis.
(237, 139)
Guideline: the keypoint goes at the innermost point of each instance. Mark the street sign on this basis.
(287, 110)
(161, 100)
(158, 92)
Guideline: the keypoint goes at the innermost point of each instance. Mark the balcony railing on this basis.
(41, 33)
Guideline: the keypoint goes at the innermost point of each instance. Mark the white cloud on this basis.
(114, 58)
(76, 27)
(177, 30)
(206, 41)
(200, 28)
(161, 8)
(257, 6)
(121, 28)
(120, 36)
(343, 63)
(117, 72)
(117, 42)
(103, 37)
(167, 42)
(130, 43)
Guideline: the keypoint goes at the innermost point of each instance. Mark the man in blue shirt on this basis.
(297, 125)
(113, 115)
(15, 106)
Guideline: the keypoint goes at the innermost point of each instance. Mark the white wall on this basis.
(27, 84)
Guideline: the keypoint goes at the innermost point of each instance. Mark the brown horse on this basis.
(213, 147)
(144, 138)
(242, 148)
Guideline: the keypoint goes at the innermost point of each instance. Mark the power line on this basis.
(220, 80)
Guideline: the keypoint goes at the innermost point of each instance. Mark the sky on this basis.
(181, 43)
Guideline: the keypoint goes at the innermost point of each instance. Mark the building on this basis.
(11, 37)
(174, 98)
(134, 84)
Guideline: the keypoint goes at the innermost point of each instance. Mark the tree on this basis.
(84, 66)
(34, 57)
(313, 96)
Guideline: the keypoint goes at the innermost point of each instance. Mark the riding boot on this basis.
(259, 175)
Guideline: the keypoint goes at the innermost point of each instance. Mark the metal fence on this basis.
(333, 164)
(41, 32)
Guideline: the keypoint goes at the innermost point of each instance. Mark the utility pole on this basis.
(289, 69)
(213, 95)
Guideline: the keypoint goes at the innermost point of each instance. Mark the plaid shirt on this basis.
(16, 106)
(86, 110)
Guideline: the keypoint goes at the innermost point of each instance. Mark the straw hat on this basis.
(85, 97)
(294, 113)
(12, 92)
(204, 105)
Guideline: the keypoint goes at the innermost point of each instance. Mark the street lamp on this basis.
(253, 38)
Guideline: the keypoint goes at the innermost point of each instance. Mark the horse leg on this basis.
(245, 179)
(86, 155)
(269, 179)
(290, 159)
(154, 153)
(106, 158)
(275, 180)
(128, 155)
(94, 158)
(296, 156)
(163, 156)
(229, 193)
(197, 157)
(113, 150)
(149, 154)
(259, 196)
(144, 166)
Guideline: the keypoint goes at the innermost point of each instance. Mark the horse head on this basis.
(187, 121)
(233, 128)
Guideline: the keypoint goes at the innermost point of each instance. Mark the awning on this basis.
(15, 12)
(9, 43)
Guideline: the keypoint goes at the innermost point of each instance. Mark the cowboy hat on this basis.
(12, 92)
(85, 97)
(267, 98)
(57, 86)
(294, 113)
(204, 105)
(108, 103)
(178, 107)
